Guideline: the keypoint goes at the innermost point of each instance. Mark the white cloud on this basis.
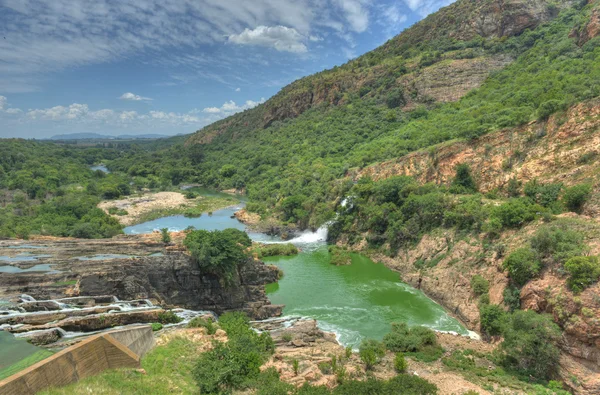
(281, 38)
(230, 107)
(238, 89)
(13, 111)
(3, 102)
(426, 7)
(45, 36)
(133, 97)
(356, 13)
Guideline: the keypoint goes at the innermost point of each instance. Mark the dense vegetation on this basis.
(290, 167)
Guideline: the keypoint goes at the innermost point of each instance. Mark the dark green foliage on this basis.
(479, 285)
(168, 317)
(522, 265)
(266, 250)
(513, 189)
(583, 271)
(529, 346)
(512, 297)
(230, 365)
(575, 197)
(558, 242)
(419, 342)
(402, 384)
(218, 252)
(165, 235)
(463, 181)
(370, 352)
(515, 213)
(543, 194)
(493, 319)
(156, 326)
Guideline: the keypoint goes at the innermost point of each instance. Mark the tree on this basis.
(529, 345)
(479, 285)
(165, 235)
(463, 180)
(218, 252)
(370, 351)
(522, 265)
(575, 197)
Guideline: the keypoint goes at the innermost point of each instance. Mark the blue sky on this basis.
(172, 66)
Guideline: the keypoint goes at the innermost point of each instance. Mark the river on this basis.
(355, 302)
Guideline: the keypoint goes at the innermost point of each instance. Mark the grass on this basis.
(64, 283)
(24, 363)
(207, 204)
(168, 371)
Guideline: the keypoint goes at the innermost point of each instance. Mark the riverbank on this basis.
(147, 207)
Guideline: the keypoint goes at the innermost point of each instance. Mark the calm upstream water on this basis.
(356, 301)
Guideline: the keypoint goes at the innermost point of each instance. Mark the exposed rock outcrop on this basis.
(166, 275)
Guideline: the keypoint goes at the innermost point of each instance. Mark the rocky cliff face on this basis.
(144, 270)
(448, 78)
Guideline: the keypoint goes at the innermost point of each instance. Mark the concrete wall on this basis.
(86, 358)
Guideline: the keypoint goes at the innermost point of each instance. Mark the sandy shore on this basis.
(139, 205)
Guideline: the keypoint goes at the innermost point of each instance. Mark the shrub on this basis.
(463, 180)
(286, 337)
(419, 342)
(370, 351)
(295, 366)
(165, 235)
(201, 322)
(402, 384)
(266, 250)
(529, 345)
(515, 212)
(522, 265)
(548, 108)
(493, 319)
(512, 297)
(479, 285)
(575, 197)
(543, 194)
(228, 365)
(400, 363)
(168, 317)
(583, 271)
(339, 256)
(156, 326)
(348, 352)
(558, 242)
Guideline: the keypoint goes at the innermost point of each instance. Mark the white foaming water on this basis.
(307, 240)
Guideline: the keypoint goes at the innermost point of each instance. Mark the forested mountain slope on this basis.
(472, 68)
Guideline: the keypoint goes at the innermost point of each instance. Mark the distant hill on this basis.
(96, 136)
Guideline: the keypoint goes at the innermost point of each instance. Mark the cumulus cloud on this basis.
(230, 107)
(356, 13)
(426, 7)
(133, 97)
(281, 38)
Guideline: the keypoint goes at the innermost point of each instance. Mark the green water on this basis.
(356, 301)
(14, 349)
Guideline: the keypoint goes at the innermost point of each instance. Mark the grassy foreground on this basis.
(24, 363)
(168, 370)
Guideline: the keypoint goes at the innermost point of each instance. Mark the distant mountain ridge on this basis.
(97, 136)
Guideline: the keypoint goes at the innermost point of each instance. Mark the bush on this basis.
(522, 265)
(165, 235)
(515, 213)
(575, 197)
(400, 363)
(493, 319)
(479, 285)
(156, 326)
(402, 384)
(558, 242)
(218, 252)
(583, 271)
(463, 180)
(370, 351)
(168, 317)
(266, 250)
(419, 342)
(201, 322)
(339, 256)
(529, 345)
(512, 297)
(229, 365)
(542, 194)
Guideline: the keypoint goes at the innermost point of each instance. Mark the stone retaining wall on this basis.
(90, 357)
